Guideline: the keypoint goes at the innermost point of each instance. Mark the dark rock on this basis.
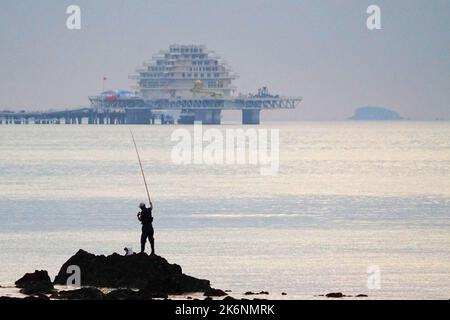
(34, 283)
(362, 296)
(215, 293)
(38, 296)
(36, 276)
(86, 293)
(334, 295)
(123, 294)
(284, 294)
(208, 298)
(37, 288)
(5, 298)
(228, 298)
(250, 293)
(152, 274)
(54, 295)
(150, 295)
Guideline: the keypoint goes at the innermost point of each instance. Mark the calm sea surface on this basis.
(348, 196)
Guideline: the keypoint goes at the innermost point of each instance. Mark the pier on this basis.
(75, 116)
(189, 79)
(139, 111)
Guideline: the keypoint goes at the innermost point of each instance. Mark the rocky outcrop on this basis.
(153, 275)
(37, 282)
(38, 297)
(250, 293)
(341, 295)
(215, 293)
(335, 295)
(123, 294)
(86, 293)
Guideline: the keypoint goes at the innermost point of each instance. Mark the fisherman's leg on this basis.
(152, 241)
(143, 240)
(152, 244)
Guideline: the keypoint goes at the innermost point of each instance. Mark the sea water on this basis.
(356, 207)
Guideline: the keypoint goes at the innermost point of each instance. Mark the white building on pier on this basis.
(184, 71)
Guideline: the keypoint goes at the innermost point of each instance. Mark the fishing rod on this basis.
(142, 170)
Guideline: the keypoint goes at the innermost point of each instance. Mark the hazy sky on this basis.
(320, 50)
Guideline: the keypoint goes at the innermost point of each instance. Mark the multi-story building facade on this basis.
(184, 71)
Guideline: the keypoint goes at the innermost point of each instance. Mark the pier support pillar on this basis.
(208, 116)
(91, 118)
(216, 114)
(137, 116)
(251, 116)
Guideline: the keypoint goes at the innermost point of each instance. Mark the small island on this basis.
(375, 113)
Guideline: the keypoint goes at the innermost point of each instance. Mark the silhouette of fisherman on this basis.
(146, 218)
